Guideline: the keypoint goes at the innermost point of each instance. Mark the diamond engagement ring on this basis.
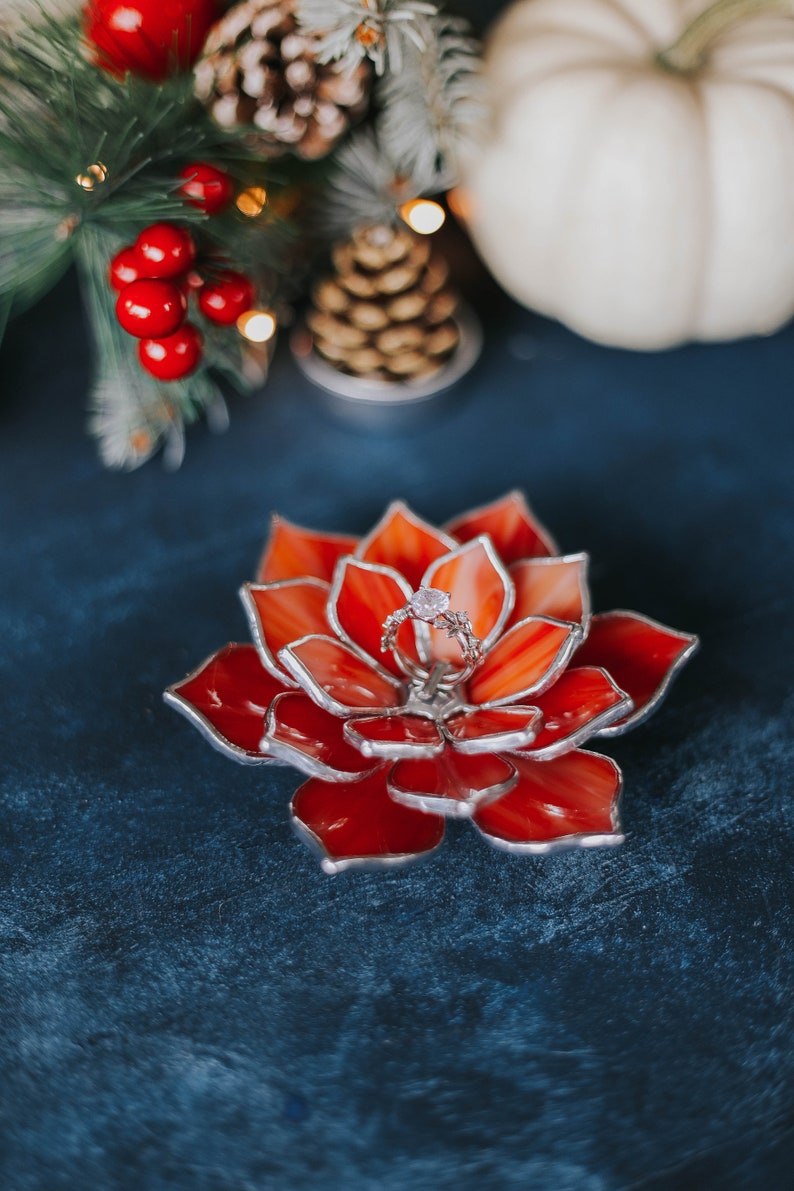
(430, 605)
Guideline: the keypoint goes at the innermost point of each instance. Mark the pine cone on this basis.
(387, 313)
(259, 69)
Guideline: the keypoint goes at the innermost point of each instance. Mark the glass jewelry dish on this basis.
(421, 673)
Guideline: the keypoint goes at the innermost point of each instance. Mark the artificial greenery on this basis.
(59, 116)
(62, 117)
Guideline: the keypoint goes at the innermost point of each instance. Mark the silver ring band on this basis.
(432, 607)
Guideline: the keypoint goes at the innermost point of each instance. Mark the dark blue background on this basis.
(189, 1002)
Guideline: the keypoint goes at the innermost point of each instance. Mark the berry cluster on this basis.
(156, 275)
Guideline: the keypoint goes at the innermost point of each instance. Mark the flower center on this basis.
(431, 695)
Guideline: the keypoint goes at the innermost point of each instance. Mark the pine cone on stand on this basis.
(258, 69)
(387, 314)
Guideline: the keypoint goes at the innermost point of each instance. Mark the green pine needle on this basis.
(88, 160)
(62, 117)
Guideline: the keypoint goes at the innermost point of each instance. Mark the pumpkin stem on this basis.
(689, 52)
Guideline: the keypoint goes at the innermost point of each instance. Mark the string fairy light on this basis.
(423, 215)
(252, 202)
(460, 203)
(96, 172)
(257, 325)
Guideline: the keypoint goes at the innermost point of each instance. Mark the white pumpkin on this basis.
(640, 206)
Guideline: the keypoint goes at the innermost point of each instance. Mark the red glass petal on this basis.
(642, 657)
(478, 584)
(524, 661)
(405, 542)
(452, 783)
(482, 729)
(337, 678)
(401, 735)
(511, 526)
(227, 699)
(555, 587)
(302, 734)
(570, 801)
(363, 596)
(582, 701)
(294, 553)
(357, 823)
(283, 612)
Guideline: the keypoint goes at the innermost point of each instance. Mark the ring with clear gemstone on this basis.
(430, 605)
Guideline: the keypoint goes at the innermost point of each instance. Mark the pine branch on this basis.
(60, 118)
(364, 187)
(33, 241)
(352, 30)
(431, 106)
(427, 110)
(61, 114)
(88, 160)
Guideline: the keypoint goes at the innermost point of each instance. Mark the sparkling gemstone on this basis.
(428, 602)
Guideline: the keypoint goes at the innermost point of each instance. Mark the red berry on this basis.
(206, 187)
(123, 268)
(150, 309)
(173, 357)
(223, 299)
(164, 250)
(153, 38)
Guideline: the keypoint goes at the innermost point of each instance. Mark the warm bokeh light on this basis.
(460, 204)
(96, 172)
(423, 215)
(252, 201)
(257, 325)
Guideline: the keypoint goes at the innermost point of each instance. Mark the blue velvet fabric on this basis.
(188, 1002)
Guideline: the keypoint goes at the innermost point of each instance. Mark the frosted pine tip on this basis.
(366, 36)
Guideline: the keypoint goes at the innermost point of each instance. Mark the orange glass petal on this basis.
(582, 701)
(387, 757)
(284, 613)
(525, 660)
(337, 678)
(483, 729)
(452, 783)
(641, 655)
(294, 553)
(406, 543)
(555, 587)
(511, 526)
(477, 584)
(302, 734)
(359, 822)
(553, 802)
(363, 597)
(228, 697)
(394, 735)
